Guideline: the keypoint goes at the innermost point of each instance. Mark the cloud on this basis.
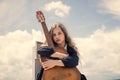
(111, 7)
(59, 8)
(16, 51)
(100, 54)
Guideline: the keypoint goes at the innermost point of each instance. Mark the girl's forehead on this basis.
(57, 29)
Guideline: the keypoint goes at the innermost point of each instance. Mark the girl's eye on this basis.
(59, 33)
(54, 35)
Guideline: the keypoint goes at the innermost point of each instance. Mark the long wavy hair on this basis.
(68, 39)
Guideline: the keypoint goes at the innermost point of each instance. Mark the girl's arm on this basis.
(59, 55)
(52, 63)
(45, 51)
(72, 60)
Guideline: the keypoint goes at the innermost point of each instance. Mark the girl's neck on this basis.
(62, 45)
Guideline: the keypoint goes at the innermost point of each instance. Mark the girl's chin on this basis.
(58, 43)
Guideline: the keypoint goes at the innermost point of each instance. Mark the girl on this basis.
(60, 39)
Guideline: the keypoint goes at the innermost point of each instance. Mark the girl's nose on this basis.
(57, 36)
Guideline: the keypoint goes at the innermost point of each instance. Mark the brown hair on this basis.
(68, 39)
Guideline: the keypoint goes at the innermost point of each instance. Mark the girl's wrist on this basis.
(55, 55)
(59, 63)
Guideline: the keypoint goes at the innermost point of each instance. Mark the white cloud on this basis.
(16, 51)
(60, 9)
(100, 53)
(111, 7)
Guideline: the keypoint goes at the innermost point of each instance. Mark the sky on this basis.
(94, 26)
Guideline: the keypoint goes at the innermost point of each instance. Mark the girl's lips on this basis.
(57, 40)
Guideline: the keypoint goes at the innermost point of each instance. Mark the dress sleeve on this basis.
(72, 59)
(45, 51)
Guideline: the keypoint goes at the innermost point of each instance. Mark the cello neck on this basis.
(47, 35)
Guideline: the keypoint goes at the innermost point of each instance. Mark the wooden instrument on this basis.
(56, 73)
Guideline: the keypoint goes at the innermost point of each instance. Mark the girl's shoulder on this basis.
(70, 49)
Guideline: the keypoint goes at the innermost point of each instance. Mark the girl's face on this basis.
(59, 37)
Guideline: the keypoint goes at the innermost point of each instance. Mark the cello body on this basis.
(61, 73)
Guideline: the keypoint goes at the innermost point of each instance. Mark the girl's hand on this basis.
(59, 55)
(51, 63)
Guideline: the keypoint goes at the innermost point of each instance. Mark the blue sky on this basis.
(83, 16)
(94, 25)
